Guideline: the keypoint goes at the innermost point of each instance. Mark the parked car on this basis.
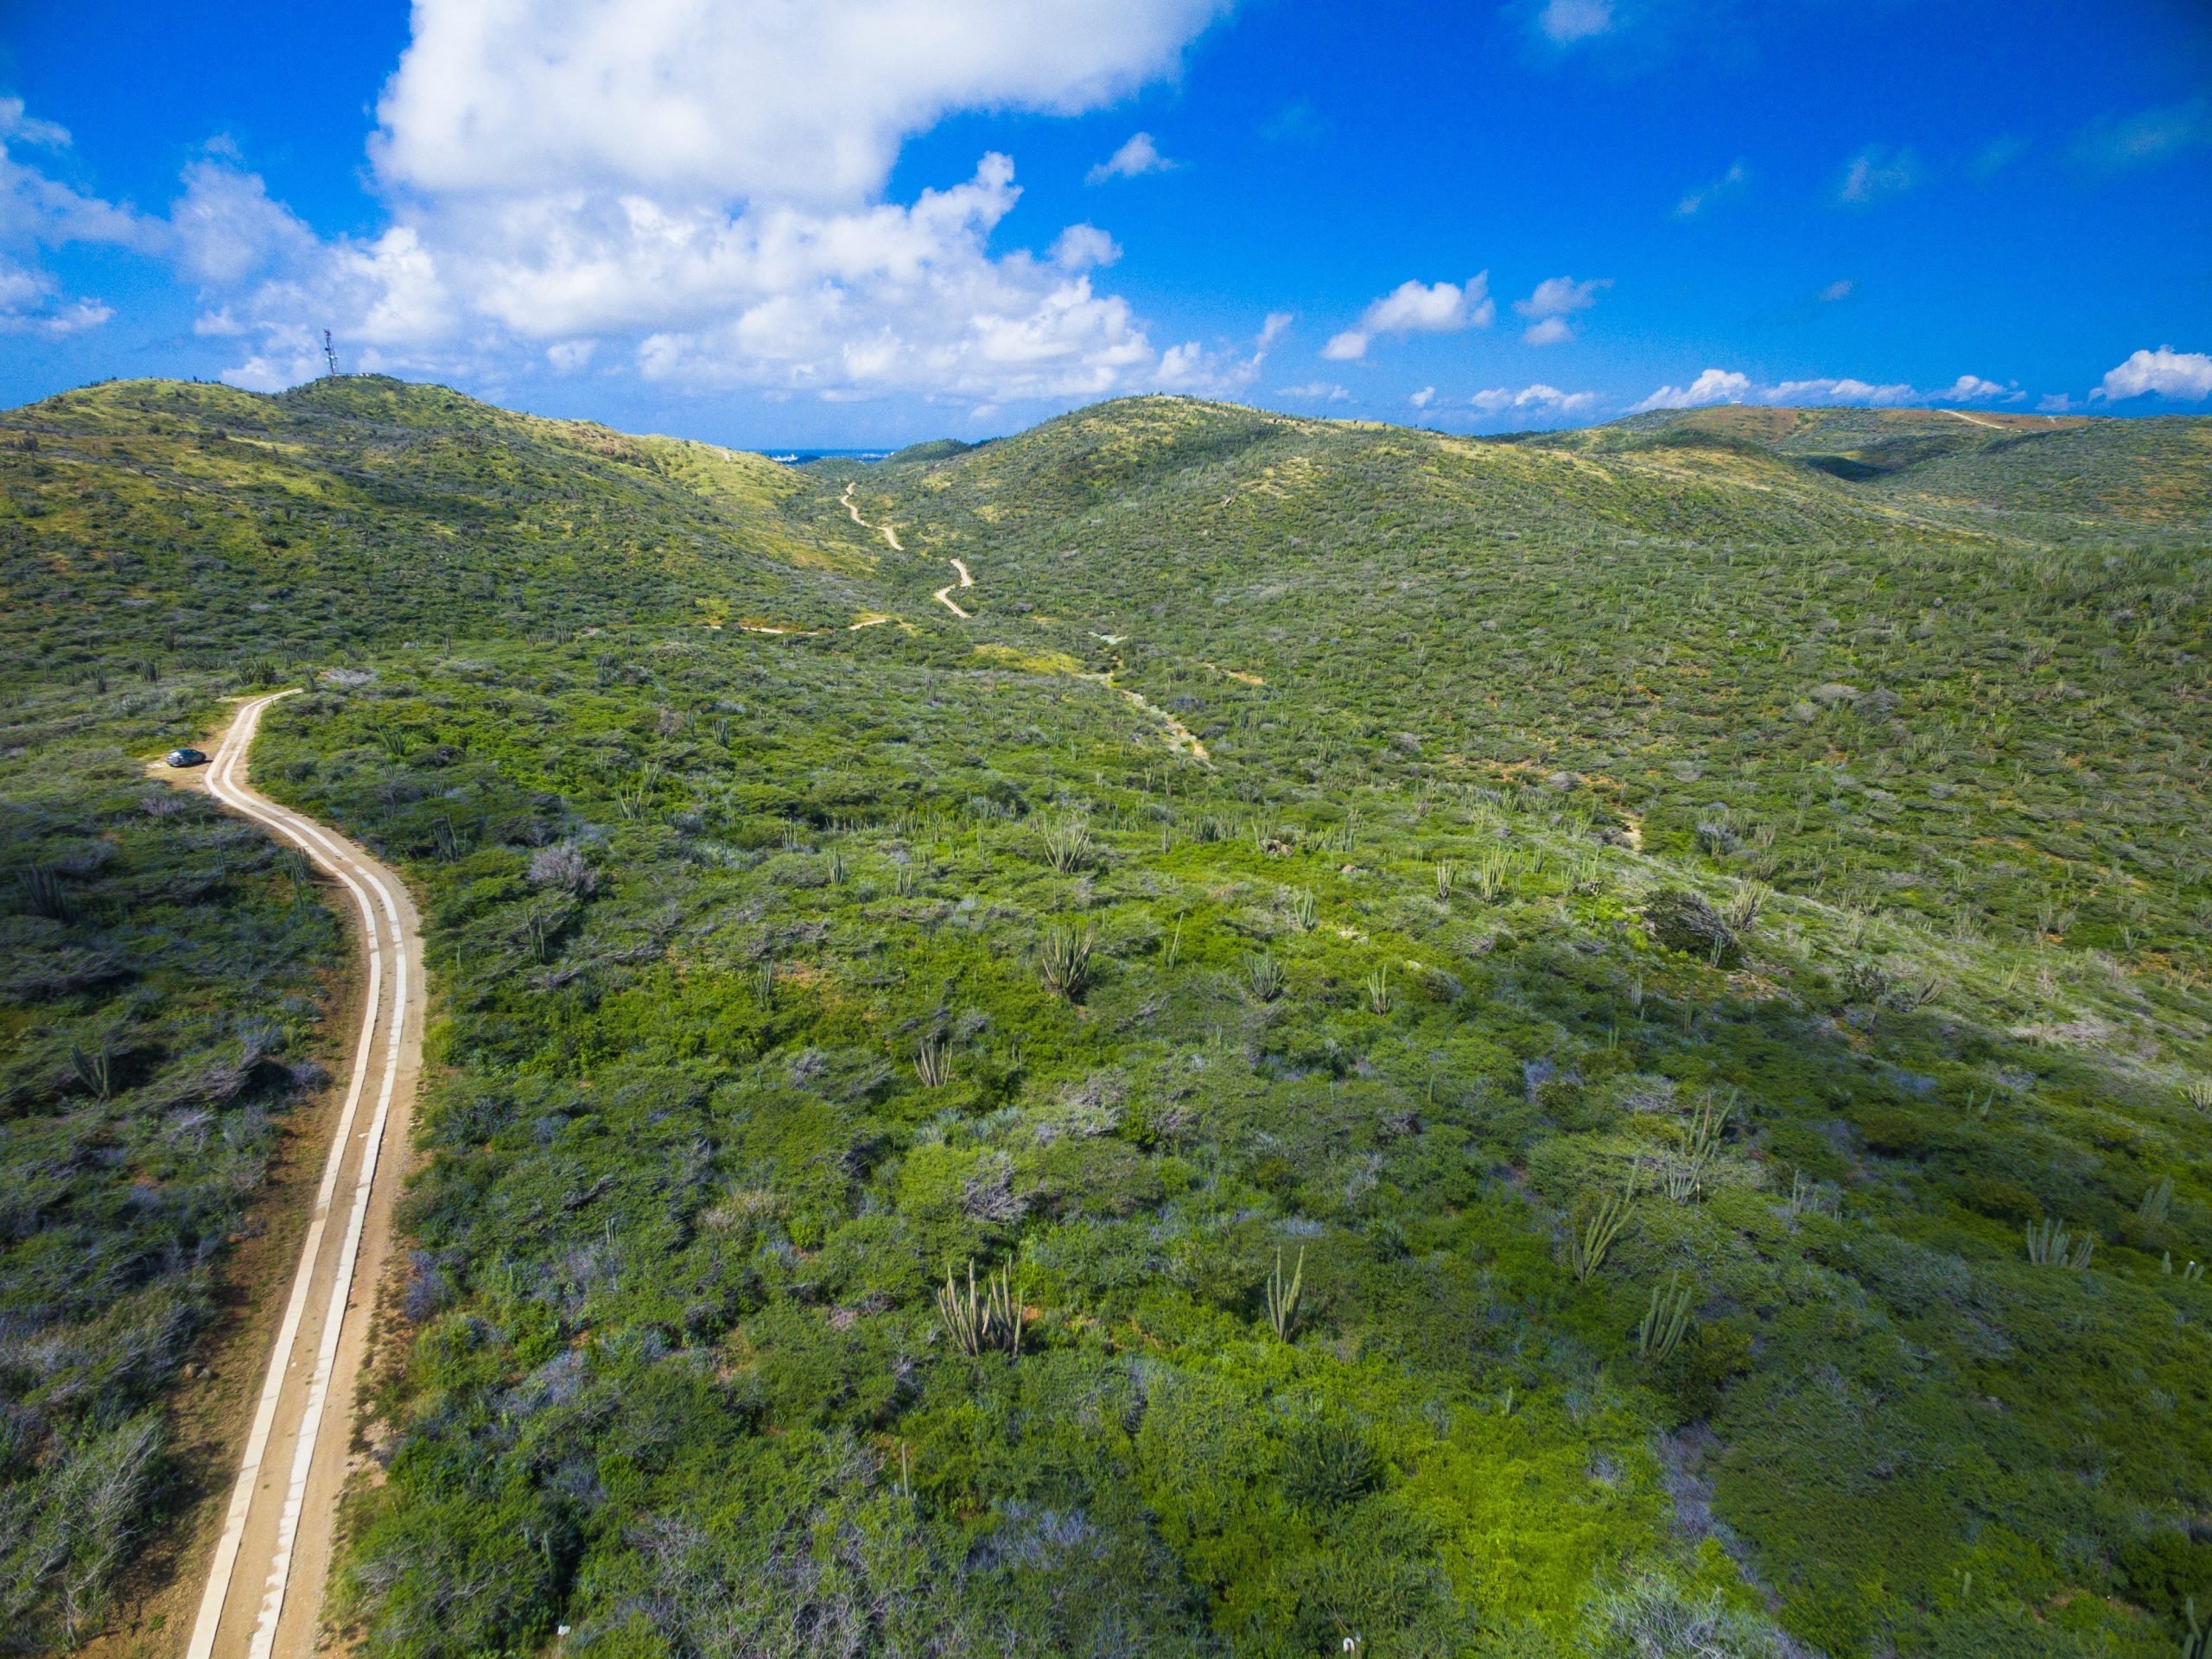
(185, 757)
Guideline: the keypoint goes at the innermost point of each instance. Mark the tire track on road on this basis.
(280, 1538)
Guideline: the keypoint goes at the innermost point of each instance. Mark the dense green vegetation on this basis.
(161, 971)
(1651, 1091)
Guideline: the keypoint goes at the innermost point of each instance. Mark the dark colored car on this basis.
(185, 757)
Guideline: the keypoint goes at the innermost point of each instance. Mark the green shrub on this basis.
(1680, 920)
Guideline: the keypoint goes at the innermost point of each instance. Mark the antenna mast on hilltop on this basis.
(329, 354)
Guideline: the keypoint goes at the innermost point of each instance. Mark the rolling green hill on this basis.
(1643, 1090)
(187, 522)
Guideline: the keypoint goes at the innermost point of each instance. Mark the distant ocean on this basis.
(800, 457)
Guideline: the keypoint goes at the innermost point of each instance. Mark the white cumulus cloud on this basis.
(1084, 247)
(1415, 307)
(1973, 388)
(39, 212)
(1539, 399)
(226, 227)
(699, 191)
(693, 101)
(1322, 392)
(1423, 399)
(1729, 386)
(1556, 299)
(1139, 156)
(2166, 372)
(1846, 390)
(1713, 386)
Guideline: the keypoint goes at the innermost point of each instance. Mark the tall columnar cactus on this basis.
(1587, 1245)
(980, 1317)
(2051, 1245)
(1283, 1296)
(1665, 1319)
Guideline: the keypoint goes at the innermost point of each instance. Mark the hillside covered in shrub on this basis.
(1592, 1043)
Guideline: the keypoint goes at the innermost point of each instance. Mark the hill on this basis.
(1593, 1044)
(174, 521)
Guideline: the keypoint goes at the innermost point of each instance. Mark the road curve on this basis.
(888, 534)
(943, 596)
(264, 1589)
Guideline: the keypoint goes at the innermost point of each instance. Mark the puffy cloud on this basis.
(1132, 161)
(895, 300)
(226, 228)
(396, 305)
(1191, 367)
(1973, 388)
(29, 304)
(689, 101)
(1539, 399)
(35, 208)
(1713, 386)
(1696, 201)
(1557, 298)
(2166, 372)
(17, 122)
(37, 212)
(1084, 247)
(1183, 365)
(2150, 136)
(1417, 307)
(1560, 297)
(1423, 399)
(1727, 386)
(696, 189)
(1320, 392)
(567, 356)
(1565, 22)
(1846, 390)
(1438, 309)
(1877, 171)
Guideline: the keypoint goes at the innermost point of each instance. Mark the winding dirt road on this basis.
(888, 534)
(264, 1589)
(1179, 736)
(943, 596)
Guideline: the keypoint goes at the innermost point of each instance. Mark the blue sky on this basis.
(866, 221)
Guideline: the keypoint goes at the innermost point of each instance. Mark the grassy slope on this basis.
(159, 520)
(678, 1380)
